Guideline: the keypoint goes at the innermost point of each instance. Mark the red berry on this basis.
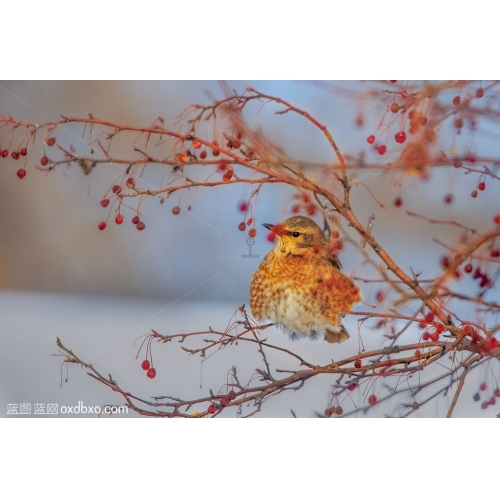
(271, 237)
(21, 173)
(357, 363)
(485, 281)
(242, 207)
(222, 167)
(400, 137)
(5, 153)
(130, 182)
(215, 152)
(176, 210)
(140, 226)
(382, 149)
(484, 405)
(119, 218)
(252, 233)
(380, 296)
(51, 141)
(479, 93)
(352, 386)
(394, 107)
(211, 409)
(15, 155)
(102, 226)
(418, 353)
(104, 202)
(492, 401)
(448, 198)
(497, 393)
(457, 163)
(429, 317)
(468, 268)
(404, 94)
(311, 210)
(203, 154)
(372, 400)
(151, 373)
(116, 189)
(196, 144)
(224, 401)
(339, 410)
(481, 186)
(242, 226)
(145, 365)
(296, 210)
(474, 193)
(482, 387)
(496, 219)
(476, 397)
(23, 151)
(371, 139)
(423, 121)
(249, 221)
(44, 160)
(135, 220)
(426, 336)
(495, 253)
(231, 395)
(398, 202)
(456, 100)
(445, 262)
(184, 158)
(435, 336)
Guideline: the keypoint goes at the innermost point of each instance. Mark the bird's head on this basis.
(298, 236)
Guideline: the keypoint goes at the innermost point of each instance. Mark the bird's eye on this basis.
(295, 234)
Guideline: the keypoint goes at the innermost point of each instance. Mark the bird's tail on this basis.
(336, 337)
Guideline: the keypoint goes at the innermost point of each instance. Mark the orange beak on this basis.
(277, 229)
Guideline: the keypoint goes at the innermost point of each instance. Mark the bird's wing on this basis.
(334, 261)
(334, 293)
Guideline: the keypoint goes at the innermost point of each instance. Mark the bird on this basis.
(299, 285)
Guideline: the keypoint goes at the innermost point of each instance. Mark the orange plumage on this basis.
(299, 286)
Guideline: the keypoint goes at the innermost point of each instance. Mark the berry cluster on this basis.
(242, 226)
(223, 402)
(150, 371)
(21, 173)
(435, 329)
(488, 401)
(333, 411)
(481, 186)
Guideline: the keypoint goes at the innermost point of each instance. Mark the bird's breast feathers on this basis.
(303, 294)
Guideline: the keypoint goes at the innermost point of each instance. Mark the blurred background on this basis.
(101, 290)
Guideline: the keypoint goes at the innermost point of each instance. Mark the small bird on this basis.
(299, 285)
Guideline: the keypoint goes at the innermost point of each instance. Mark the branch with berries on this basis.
(215, 146)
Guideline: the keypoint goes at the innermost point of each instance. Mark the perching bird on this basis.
(299, 286)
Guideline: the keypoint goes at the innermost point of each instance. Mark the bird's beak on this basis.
(277, 229)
